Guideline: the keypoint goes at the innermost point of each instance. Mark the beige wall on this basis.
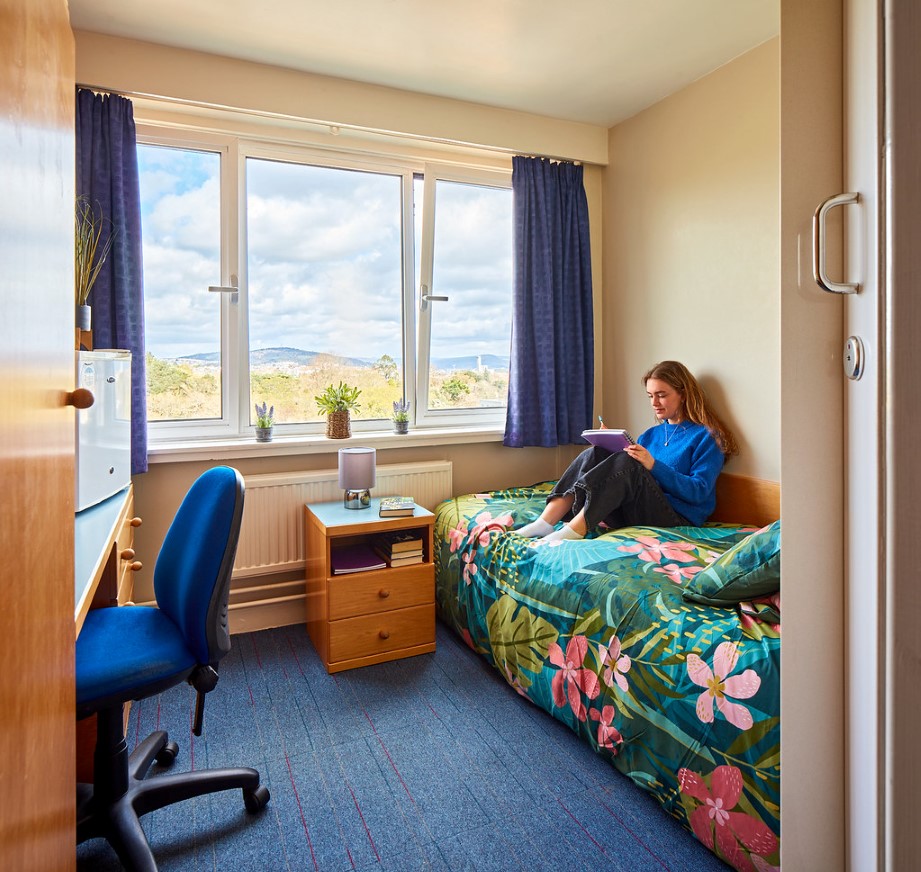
(691, 247)
(209, 80)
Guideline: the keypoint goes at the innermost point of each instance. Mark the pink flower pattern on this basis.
(469, 567)
(457, 535)
(608, 735)
(654, 550)
(614, 664)
(572, 680)
(720, 685)
(678, 573)
(714, 820)
(484, 524)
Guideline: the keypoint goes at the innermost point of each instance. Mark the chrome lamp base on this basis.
(357, 499)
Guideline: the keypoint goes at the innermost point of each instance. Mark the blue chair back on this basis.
(192, 574)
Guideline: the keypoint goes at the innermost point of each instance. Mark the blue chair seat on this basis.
(129, 653)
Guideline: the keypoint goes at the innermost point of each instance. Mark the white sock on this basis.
(565, 532)
(540, 527)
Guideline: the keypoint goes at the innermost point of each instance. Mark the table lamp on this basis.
(357, 468)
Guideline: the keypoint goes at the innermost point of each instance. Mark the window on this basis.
(271, 272)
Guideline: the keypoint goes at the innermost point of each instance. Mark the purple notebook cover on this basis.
(355, 558)
(612, 440)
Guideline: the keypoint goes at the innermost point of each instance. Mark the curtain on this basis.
(551, 378)
(107, 175)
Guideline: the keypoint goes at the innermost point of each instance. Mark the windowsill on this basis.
(280, 446)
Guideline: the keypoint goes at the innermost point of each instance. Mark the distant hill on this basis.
(299, 357)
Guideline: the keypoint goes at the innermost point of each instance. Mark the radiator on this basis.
(272, 534)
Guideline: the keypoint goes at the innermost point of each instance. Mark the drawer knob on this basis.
(134, 567)
(383, 593)
(135, 522)
(384, 634)
(128, 554)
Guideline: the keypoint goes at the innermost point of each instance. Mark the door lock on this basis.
(853, 357)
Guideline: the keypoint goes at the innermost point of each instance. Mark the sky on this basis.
(324, 258)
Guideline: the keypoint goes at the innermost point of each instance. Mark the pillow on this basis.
(747, 570)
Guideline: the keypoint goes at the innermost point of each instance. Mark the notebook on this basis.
(610, 439)
(360, 557)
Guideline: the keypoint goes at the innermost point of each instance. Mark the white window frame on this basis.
(234, 340)
(433, 173)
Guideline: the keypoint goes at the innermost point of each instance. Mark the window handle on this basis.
(225, 289)
(431, 298)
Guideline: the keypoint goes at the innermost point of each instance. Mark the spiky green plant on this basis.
(338, 399)
(90, 250)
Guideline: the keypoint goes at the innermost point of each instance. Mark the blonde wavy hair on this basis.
(696, 407)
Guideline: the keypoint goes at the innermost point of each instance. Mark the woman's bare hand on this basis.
(637, 452)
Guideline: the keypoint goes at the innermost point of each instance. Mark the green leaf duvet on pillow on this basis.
(747, 570)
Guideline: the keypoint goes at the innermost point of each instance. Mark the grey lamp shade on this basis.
(357, 468)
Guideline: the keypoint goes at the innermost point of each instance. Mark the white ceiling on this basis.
(595, 61)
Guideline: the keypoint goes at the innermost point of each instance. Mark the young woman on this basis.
(667, 479)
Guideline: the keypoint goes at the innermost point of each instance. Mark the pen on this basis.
(600, 421)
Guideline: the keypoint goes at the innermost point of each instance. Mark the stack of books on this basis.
(396, 507)
(399, 548)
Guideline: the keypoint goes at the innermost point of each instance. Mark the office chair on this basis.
(134, 652)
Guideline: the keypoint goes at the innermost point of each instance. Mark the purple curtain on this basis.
(551, 379)
(107, 175)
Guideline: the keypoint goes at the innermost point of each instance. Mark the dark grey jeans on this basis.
(616, 489)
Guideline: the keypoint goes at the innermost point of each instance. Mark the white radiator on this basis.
(272, 535)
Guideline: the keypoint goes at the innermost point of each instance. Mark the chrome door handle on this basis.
(818, 245)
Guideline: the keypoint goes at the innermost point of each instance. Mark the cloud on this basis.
(324, 259)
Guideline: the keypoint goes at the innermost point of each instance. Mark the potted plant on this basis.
(265, 421)
(337, 403)
(400, 416)
(90, 253)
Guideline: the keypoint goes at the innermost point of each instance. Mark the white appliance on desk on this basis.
(104, 429)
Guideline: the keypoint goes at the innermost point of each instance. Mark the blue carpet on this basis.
(431, 763)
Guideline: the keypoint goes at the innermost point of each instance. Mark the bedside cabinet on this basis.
(360, 618)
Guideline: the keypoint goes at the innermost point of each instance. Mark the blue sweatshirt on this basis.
(687, 468)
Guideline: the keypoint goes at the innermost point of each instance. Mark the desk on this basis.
(103, 566)
(104, 554)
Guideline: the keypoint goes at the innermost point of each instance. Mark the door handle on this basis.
(818, 245)
(81, 398)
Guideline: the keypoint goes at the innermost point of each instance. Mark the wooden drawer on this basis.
(125, 556)
(383, 590)
(368, 635)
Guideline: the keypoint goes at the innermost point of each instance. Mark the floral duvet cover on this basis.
(681, 697)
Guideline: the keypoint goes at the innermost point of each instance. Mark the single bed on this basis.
(659, 646)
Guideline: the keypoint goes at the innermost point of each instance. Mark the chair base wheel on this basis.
(167, 755)
(256, 800)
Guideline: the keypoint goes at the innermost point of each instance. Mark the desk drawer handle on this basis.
(135, 522)
(384, 634)
(383, 593)
(128, 554)
(137, 565)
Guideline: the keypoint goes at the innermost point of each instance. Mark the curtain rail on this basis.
(325, 125)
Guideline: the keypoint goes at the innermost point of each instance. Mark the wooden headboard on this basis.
(741, 499)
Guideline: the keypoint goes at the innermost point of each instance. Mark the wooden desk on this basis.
(103, 566)
(104, 554)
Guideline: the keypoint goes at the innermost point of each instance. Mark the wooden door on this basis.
(36, 436)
